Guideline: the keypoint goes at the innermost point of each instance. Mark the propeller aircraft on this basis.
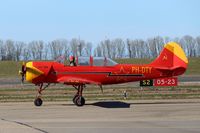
(171, 62)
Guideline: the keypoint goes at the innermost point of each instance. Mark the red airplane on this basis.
(172, 61)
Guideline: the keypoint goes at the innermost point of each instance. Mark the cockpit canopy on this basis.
(95, 61)
(90, 61)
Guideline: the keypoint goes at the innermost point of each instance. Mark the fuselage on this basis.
(50, 72)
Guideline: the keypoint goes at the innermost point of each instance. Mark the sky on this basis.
(96, 20)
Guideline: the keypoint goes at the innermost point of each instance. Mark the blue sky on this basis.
(92, 20)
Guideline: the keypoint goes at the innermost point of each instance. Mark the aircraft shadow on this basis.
(111, 104)
(119, 104)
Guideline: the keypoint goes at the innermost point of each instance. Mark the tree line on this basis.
(112, 48)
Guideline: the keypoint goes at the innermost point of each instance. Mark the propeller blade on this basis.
(23, 72)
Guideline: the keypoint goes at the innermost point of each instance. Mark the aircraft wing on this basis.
(75, 80)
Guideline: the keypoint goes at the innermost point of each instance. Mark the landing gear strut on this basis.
(78, 98)
(38, 101)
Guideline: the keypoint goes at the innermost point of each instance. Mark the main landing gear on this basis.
(38, 100)
(78, 98)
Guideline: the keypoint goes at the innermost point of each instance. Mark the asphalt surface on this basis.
(155, 116)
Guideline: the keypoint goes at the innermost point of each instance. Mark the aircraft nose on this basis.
(32, 72)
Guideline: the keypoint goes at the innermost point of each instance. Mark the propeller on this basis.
(22, 72)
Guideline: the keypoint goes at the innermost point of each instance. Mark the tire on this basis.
(38, 102)
(80, 101)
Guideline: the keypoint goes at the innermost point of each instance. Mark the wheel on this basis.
(38, 102)
(74, 99)
(80, 101)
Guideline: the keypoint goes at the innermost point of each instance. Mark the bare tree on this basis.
(66, 48)
(78, 47)
(106, 47)
(159, 44)
(138, 48)
(10, 50)
(81, 46)
(198, 45)
(57, 48)
(120, 46)
(88, 49)
(46, 52)
(189, 45)
(36, 48)
(128, 42)
(133, 48)
(40, 46)
(155, 45)
(2, 50)
(113, 50)
(98, 51)
(19, 49)
(26, 53)
(143, 49)
(32, 50)
(104, 50)
(74, 46)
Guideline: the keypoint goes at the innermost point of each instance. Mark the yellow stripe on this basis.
(177, 50)
(32, 72)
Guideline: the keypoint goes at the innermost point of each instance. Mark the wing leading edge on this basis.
(74, 80)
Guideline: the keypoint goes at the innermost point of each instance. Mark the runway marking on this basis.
(24, 124)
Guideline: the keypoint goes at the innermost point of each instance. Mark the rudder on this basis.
(171, 58)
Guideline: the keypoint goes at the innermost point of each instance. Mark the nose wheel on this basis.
(78, 99)
(38, 101)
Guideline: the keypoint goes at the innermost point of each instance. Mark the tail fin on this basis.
(171, 59)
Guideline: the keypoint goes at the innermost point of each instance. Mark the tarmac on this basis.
(152, 116)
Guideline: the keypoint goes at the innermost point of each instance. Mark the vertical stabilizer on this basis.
(171, 58)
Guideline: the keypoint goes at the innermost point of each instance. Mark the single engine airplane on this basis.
(172, 61)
